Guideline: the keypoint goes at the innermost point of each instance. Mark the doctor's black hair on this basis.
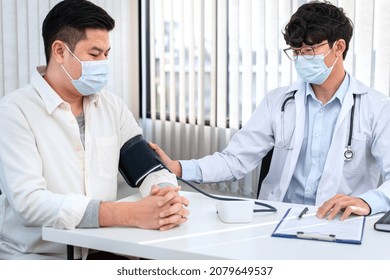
(68, 20)
(317, 21)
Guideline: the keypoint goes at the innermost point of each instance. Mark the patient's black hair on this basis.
(68, 20)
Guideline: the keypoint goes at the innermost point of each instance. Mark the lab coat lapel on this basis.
(298, 137)
(344, 112)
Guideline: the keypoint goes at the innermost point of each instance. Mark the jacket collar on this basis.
(357, 87)
(298, 85)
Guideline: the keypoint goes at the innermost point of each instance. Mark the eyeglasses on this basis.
(307, 52)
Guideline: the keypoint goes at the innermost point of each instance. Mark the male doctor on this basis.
(330, 133)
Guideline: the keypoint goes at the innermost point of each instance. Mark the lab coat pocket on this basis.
(358, 163)
(108, 155)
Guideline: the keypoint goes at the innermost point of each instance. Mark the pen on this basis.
(304, 211)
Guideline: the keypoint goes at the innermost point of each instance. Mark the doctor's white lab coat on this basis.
(267, 128)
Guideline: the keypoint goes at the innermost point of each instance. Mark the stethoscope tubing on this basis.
(348, 153)
(268, 207)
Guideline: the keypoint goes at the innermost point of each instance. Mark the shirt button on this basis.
(78, 148)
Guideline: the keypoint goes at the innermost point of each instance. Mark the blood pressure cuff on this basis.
(137, 160)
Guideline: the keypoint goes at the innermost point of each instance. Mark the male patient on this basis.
(60, 140)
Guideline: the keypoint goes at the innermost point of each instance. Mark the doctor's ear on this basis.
(339, 47)
(58, 51)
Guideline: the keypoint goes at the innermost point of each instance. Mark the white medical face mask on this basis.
(313, 71)
(94, 75)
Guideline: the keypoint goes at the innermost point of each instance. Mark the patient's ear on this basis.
(58, 51)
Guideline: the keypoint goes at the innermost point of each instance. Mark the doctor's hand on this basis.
(173, 165)
(346, 204)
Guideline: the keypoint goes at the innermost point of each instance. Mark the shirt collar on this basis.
(339, 94)
(50, 98)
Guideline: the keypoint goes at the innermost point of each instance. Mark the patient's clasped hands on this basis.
(163, 209)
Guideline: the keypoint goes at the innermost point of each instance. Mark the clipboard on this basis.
(310, 227)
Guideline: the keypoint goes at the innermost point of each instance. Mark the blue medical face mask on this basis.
(313, 71)
(94, 75)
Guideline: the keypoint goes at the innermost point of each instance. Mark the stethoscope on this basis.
(282, 108)
(348, 152)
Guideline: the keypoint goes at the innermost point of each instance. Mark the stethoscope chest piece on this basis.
(348, 154)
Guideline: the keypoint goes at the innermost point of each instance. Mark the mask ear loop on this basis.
(62, 65)
(72, 53)
(329, 53)
(66, 72)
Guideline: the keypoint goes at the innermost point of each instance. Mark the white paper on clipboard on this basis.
(311, 227)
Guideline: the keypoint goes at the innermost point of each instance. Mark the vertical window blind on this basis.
(212, 62)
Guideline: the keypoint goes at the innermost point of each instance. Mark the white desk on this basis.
(204, 236)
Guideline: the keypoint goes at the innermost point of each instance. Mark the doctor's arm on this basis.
(243, 153)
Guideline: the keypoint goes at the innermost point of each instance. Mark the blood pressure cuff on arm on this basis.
(137, 160)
